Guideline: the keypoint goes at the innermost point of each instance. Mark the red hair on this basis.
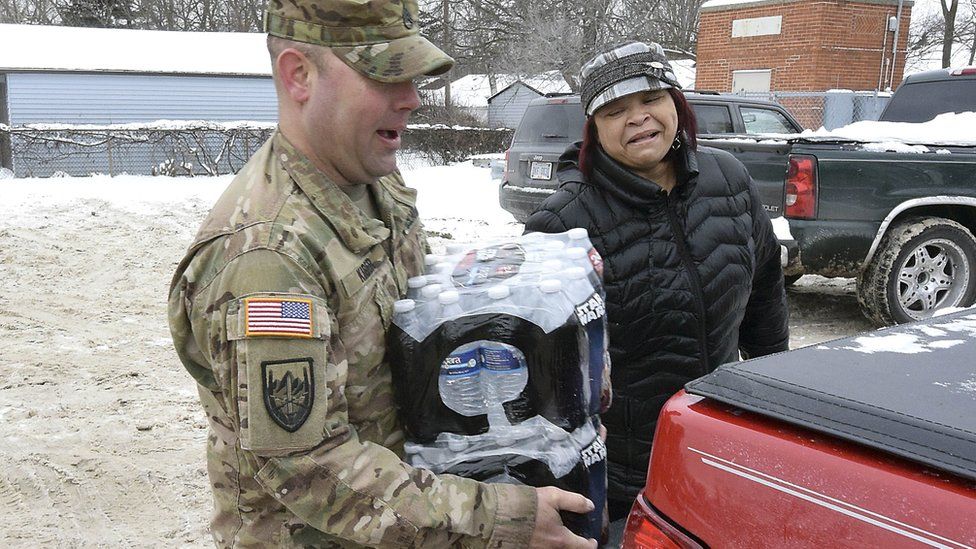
(687, 129)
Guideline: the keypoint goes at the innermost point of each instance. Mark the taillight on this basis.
(962, 72)
(801, 187)
(506, 160)
(646, 529)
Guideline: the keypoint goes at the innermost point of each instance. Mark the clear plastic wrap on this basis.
(498, 355)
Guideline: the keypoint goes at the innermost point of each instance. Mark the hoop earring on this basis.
(677, 143)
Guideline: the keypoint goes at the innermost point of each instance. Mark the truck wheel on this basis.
(922, 265)
(791, 279)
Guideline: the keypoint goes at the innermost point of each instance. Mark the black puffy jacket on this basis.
(692, 277)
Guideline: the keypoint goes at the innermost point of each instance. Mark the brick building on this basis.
(800, 45)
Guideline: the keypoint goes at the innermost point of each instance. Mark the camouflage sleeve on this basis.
(283, 386)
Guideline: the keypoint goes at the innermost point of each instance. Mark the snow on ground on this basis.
(103, 435)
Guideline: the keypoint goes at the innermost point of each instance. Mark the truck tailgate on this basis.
(737, 479)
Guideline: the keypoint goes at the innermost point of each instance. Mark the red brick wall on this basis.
(822, 45)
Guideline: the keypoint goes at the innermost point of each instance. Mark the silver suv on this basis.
(551, 124)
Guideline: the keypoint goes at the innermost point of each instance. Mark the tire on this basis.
(791, 279)
(922, 265)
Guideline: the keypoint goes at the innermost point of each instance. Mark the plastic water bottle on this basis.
(576, 236)
(590, 311)
(406, 314)
(450, 302)
(460, 376)
(430, 291)
(503, 378)
(578, 286)
(414, 284)
(459, 382)
(505, 373)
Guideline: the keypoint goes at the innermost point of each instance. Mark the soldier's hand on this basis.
(549, 531)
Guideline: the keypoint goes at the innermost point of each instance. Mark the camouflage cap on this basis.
(379, 38)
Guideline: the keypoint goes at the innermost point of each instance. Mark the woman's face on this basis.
(638, 129)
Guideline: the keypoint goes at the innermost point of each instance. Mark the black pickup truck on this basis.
(899, 214)
(551, 124)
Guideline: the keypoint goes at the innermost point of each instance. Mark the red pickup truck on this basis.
(867, 441)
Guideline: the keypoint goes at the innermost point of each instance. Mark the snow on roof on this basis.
(36, 47)
(685, 70)
(550, 82)
(474, 90)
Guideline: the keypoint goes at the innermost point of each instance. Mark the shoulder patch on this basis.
(289, 391)
(276, 316)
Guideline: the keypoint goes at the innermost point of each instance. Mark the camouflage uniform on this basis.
(305, 447)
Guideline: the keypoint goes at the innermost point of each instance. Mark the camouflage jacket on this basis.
(279, 311)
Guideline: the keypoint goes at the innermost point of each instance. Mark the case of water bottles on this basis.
(498, 354)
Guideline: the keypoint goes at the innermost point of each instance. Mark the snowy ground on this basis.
(103, 439)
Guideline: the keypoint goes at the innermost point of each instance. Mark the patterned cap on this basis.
(628, 68)
(379, 38)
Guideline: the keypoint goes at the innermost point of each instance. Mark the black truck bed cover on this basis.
(909, 390)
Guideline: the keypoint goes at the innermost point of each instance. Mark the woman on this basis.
(690, 262)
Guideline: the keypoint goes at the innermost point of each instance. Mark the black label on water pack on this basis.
(488, 265)
(594, 453)
(591, 309)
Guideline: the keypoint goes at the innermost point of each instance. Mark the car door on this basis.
(766, 159)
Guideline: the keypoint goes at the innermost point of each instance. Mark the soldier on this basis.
(280, 308)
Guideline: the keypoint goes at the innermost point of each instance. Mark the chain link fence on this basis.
(193, 148)
(831, 109)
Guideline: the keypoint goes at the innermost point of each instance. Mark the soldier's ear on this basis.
(295, 71)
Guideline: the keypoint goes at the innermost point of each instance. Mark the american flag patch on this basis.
(268, 316)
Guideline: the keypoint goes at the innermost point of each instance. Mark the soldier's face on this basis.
(355, 124)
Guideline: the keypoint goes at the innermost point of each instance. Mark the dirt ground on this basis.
(102, 436)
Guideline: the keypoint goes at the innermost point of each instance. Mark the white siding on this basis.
(80, 98)
(505, 110)
(100, 98)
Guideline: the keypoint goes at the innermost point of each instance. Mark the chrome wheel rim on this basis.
(935, 275)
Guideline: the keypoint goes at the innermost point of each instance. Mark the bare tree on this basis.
(97, 13)
(38, 12)
(967, 33)
(178, 15)
(948, 36)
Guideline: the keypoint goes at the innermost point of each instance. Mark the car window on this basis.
(551, 122)
(923, 101)
(713, 118)
(760, 120)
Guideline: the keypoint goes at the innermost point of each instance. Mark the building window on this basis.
(751, 80)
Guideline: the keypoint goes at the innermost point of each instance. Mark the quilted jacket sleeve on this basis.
(765, 327)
